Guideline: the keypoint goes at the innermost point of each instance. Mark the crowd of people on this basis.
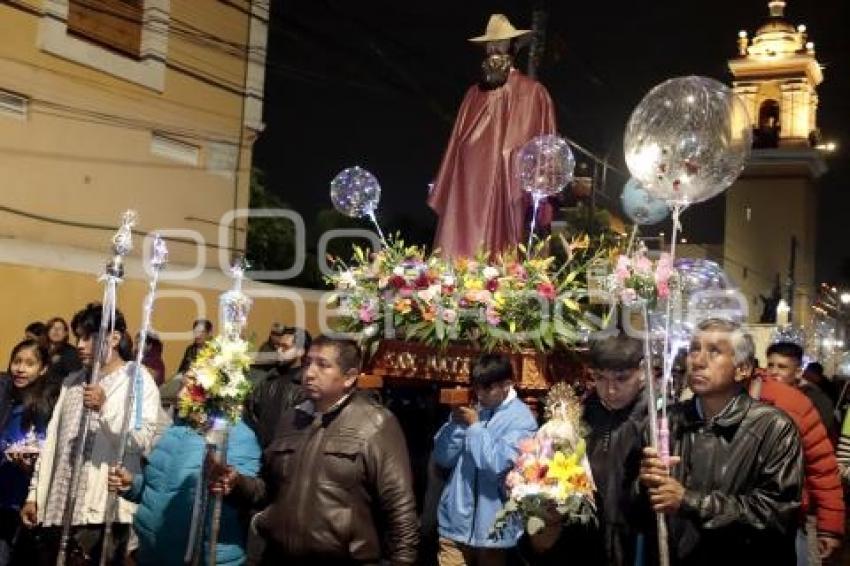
(319, 472)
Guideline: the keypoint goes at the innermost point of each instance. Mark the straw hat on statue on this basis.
(499, 28)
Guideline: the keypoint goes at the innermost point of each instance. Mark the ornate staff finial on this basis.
(122, 244)
(159, 254)
(234, 304)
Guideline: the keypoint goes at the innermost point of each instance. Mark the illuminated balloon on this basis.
(843, 367)
(688, 140)
(642, 207)
(355, 192)
(707, 292)
(699, 290)
(793, 334)
(545, 166)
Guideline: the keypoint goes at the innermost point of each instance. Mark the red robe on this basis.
(476, 193)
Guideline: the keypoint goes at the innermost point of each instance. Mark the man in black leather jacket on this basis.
(277, 388)
(615, 415)
(733, 495)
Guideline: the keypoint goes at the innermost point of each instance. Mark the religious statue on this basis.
(768, 315)
(476, 193)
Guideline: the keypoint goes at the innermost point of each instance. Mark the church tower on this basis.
(771, 211)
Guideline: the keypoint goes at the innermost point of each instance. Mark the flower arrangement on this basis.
(637, 277)
(551, 476)
(512, 299)
(217, 383)
(30, 444)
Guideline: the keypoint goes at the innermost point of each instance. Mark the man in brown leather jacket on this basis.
(336, 477)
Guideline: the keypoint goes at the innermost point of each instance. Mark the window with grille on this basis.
(116, 24)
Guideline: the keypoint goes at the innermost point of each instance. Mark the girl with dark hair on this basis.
(63, 356)
(105, 396)
(26, 401)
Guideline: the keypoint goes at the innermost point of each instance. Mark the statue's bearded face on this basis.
(495, 69)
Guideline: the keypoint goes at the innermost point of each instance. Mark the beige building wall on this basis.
(774, 200)
(102, 132)
(87, 133)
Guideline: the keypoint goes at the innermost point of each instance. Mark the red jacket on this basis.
(822, 482)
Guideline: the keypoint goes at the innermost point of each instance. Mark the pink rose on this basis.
(449, 316)
(367, 313)
(643, 265)
(546, 290)
(621, 272)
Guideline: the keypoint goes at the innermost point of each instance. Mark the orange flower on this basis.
(403, 305)
(429, 315)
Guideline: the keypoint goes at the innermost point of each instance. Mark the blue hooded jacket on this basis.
(480, 456)
(165, 491)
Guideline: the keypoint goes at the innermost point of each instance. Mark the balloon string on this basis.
(533, 223)
(668, 350)
(631, 240)
(378, 227)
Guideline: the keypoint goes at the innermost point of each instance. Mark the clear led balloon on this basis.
(642, 207)
(355, 192)
(707, 292)
(699, 290)
(842, 369)
(793, 334)
(545, 166)
(688, 140)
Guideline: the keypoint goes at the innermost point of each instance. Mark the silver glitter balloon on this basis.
(688, 140)
(355, 192)
(545, 165)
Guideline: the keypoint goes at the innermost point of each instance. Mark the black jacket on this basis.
(743, 475)
(63, 362)
(273, 394)
(614, 445)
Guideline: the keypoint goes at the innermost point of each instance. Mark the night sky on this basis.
(378, 84)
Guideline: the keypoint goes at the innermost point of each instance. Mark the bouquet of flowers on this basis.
(29, 445)
(637, 277)
(552, 472)
(512, 299)
(217, 383)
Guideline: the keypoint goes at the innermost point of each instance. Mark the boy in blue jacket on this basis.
(479, 446)
(165, 492)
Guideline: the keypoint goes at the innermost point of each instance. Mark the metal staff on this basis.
(122, 243)
(233, 312)
(652, 408)
(158, 259)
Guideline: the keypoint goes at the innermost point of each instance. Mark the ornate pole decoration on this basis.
(133, 401)
(122, 243)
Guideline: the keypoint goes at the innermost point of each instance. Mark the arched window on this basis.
(767, 133)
